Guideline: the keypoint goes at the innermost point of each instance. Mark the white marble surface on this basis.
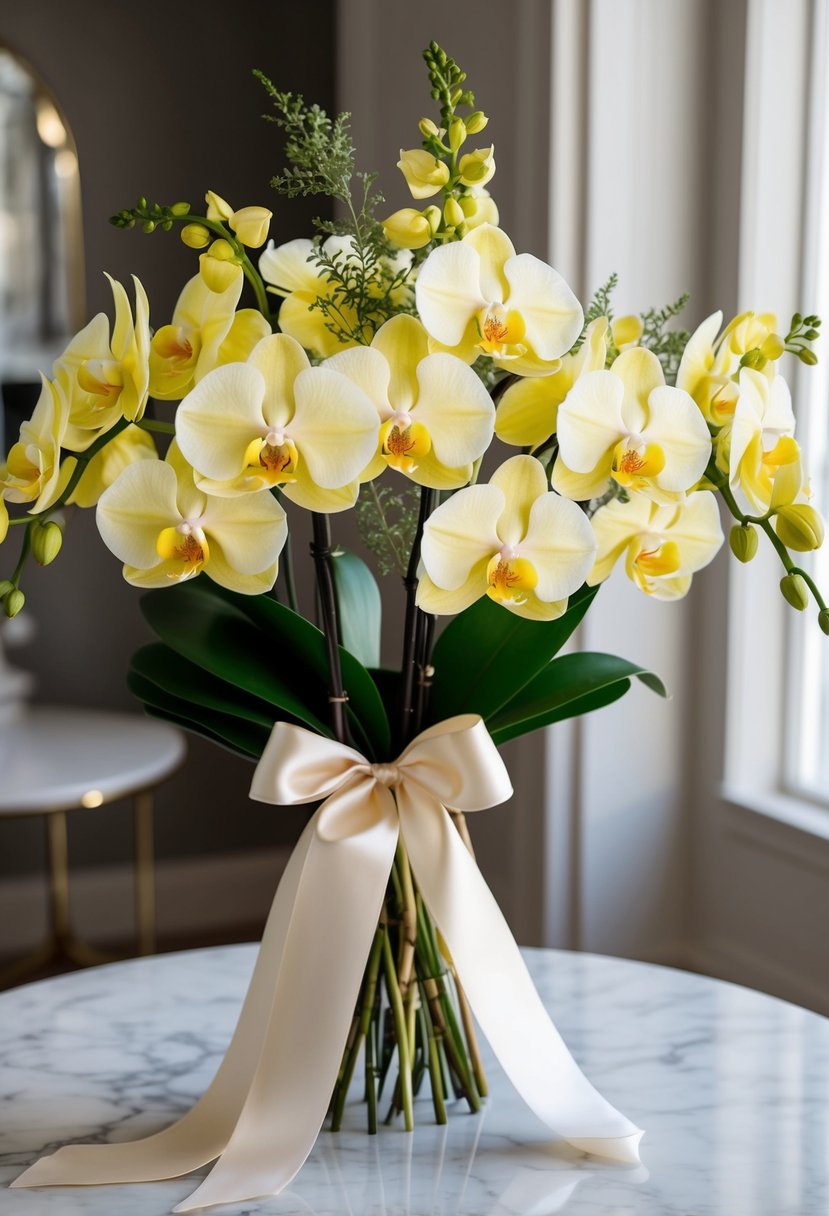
(731, 1086)
(55, 758)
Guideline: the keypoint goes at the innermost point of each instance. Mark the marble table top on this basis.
(55, 758)
(731, 1086)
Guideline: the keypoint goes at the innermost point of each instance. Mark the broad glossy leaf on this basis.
(214, 635)
(360, 607)
(570, 685)
(182, 679)
(487, 654)
(245, 738)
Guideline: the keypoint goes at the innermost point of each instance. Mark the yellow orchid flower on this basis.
(411, 229)
(219, 266)
(436, 416)
(628, 425)
(477, 296)
(105, 466)
(664, 544)
(527, 413)
(107, 378)
(798, 524)
(32, 471)
(710, 362)
(277, 421)
(165, 530)
(425, 175)
(760, 437)
(205, 332)
(513, 540)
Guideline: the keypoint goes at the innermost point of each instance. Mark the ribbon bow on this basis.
(264, 1109)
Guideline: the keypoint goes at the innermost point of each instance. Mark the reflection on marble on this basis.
(732, 1088)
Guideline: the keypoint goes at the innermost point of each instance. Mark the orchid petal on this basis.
(430, 472)
(369, 370)
(535, 609)
(640, 372)
(311, 497)
(458, 411)
(561, 546)
(552, 315)
(251, 531)
(139, 504)
(404, 343)
(336, 427)
(448, 291)
(590, 420)
(434, 599)
(460, 534)
(495, 249)
(698, 357)
(217, 421)
(521, 480)
(677, 426)
(307, 325)
(289, 266)
(280, 360)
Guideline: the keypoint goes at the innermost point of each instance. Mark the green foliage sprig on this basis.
(387, 520)
(599, 306)
(667, 344)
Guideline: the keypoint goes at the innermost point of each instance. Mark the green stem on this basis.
(24, 553)
(366, 1010)
(158, 428)
(371, 1086)
(250, 272)
(400, 1032)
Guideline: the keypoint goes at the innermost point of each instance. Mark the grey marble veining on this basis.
(731, 1086)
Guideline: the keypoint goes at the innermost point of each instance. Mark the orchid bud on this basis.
(46, 542)
(795, 591)
(13, 602)
(251, 225)
(217, 208)
(196, 236)
(408, 228)
(476, 122)
(799, 526)
(743, 541)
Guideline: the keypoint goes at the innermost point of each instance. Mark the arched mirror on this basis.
(41, 237)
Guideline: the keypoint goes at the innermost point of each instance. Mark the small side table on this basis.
(56, 759)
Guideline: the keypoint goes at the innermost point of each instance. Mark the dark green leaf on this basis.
(245, 738)
(570, 685)
(360, 607)
(189, 683)
(487, 654)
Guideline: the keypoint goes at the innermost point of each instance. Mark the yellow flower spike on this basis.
(626, 332)
(165, 530)
(456, 133)
(251, 225)
(32, 471)
(196, 236)
(217, 208)
(275, 420)
(528, 411)
(453, 213)
(105, 466)
(437, 417)
(627, 425)
(760, 437)
(408, 228)
(425, 175)
(476, 122)
(513, 540)
(476, 168)
(477, 295)
(428, 129)
(664, 545)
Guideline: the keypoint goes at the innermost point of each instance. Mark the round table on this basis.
(55, 759)
(730, 1085)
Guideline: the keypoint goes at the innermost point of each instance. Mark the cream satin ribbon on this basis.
(264, 1109)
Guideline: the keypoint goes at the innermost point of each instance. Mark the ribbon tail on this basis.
(201, 1134)
(333, 921)
(500, 991)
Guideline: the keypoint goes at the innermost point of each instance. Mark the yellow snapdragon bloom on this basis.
(425, 175)
(663, 544)
(105, 377)
(527, 414)
(477, 168)
(436, 416)
(165, 530)
(32, 471)
(513, 540)
(411, 229)
(629, 426)
(477, 296)
(249, 223)
(760, 437)
(206, 331)
(277, 421)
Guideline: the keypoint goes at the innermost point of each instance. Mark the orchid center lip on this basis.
(508, 553)
(275, 439)
(401, 419)
(188, 527)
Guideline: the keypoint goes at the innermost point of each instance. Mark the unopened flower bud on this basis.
(795, 591)
(218, 267)
(180, 209)
(46, 542)
(433, 215)
(428, 129)
(452, 213)
(743, 541)
(196, 236)
(476, 122)
(13, 602)
(823, 620)
(408, 228)
(148, 226)
(457, 133)
(799, 526)
(754, 358)
(808, 357)
(251, 225)
(217, 208)
(6, 585)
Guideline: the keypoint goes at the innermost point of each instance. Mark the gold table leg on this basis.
(144, 872)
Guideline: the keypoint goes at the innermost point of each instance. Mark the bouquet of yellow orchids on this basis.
(372, 369)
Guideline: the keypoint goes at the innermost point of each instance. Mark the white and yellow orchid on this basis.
(32, 472)
(527, 413)
(436, 416)
(106, 378)
(477, 296)
(206, 331)
(105, 466)
(664, 544)
(165, 530)
(710, 363)
(513, 540)
(277, 421)
(760, 437)
(628, 425)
